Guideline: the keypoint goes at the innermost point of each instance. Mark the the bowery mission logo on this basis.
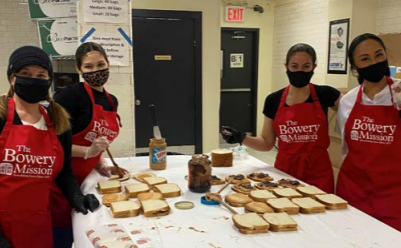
(101, 127)
(20, 162)
(292, 132)
(365, 130)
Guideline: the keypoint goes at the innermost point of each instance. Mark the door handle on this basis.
(137, 102)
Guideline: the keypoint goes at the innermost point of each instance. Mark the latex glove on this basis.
(107, 171)
(99, 145)
(232, 135)
(83, 203)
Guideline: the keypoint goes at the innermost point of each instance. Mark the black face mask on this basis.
(31, 90)
(373, 73)
(299, 79)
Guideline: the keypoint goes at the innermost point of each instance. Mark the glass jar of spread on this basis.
(199, 173)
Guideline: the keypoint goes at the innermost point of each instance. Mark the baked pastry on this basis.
(250, 223)
(260, 177)
(258, 207)
(267, 185)
(239, 178)
(289, 183)
(237, 199)
(214, 180)
(243, 188)
(280, 222)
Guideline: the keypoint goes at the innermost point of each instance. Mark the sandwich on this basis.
(116, 197)
(168, 189)
(287, 192)
(134, 189)
(149, 196)
(151, 181)
(280, 222)
(237, 179)
(259, 177)
(283, 205)
(310, 191)
(237, 199)
(242, 188)
(141, 176)
(261, 195)
(124, 209)
(222, 158)
(308, 205)
(267, 185)
(332, 201)
(155, 207)
(108, 187)
(258, 207)
(250, 223)
(214, 180)
(289, 183)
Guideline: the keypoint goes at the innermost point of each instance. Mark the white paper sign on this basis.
(236, 60)
(52, 8)
(106, 11)
(116, 48)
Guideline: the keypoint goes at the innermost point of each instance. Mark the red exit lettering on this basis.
(234, 14)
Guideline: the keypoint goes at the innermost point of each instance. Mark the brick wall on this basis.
(388, 16)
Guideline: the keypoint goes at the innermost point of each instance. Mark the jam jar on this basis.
(199, 173)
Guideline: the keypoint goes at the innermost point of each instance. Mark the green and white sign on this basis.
(58, 37)
(52, 8)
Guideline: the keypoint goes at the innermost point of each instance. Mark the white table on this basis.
(335, 228)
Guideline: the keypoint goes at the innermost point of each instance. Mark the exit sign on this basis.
(234, 14)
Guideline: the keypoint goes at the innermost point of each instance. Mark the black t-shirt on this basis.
(66, 179)
(76, 101)
(327, 97)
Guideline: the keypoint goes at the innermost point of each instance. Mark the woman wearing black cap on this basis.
(35, 151)
(95, 124)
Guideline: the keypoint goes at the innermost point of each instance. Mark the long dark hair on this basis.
(355, 42)
(301, 47)
(86, 47)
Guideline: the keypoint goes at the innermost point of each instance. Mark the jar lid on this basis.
(207, 202)
(184, 205)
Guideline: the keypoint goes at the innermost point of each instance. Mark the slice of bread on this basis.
(309, 206)
(141, 176)
(124, 209)
(332, 201)
(168, 189)
(268, 185)
(280, 222)
(116, 197)
(242, 188)
(239, 178)
(149, 196)
(283, 205)
(237, 199)
(108, 187)
(214, 180)
(260, 177)
(134, 189)
(222, 158)
(249, 223)
(287, 192)
(261, 195)
(151, 181)
(155, 207)
(310, 191)
(289, 183)
(258, 207)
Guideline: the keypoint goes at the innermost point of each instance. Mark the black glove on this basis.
(232, 135)
(83, 203)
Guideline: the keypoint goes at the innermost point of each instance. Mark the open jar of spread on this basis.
(199, 173)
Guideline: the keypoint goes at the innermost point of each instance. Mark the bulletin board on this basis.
(392, 42)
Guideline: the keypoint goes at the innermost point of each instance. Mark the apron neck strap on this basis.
(360, 91)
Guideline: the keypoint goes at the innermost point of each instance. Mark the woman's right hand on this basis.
(99, 145)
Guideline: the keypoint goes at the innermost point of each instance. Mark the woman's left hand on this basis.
(110, 170)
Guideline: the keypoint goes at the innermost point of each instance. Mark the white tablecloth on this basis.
(183, 228)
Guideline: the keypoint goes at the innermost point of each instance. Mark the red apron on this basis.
(303, 141)
(105, 122)
(370, 176)
(30, 159)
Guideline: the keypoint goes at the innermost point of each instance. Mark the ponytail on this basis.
(59, 116)
(4, 103)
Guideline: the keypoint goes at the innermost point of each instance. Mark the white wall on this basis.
(264, 22)
(16, 29)
(210, 59)
(299, 21)
(388, 17)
